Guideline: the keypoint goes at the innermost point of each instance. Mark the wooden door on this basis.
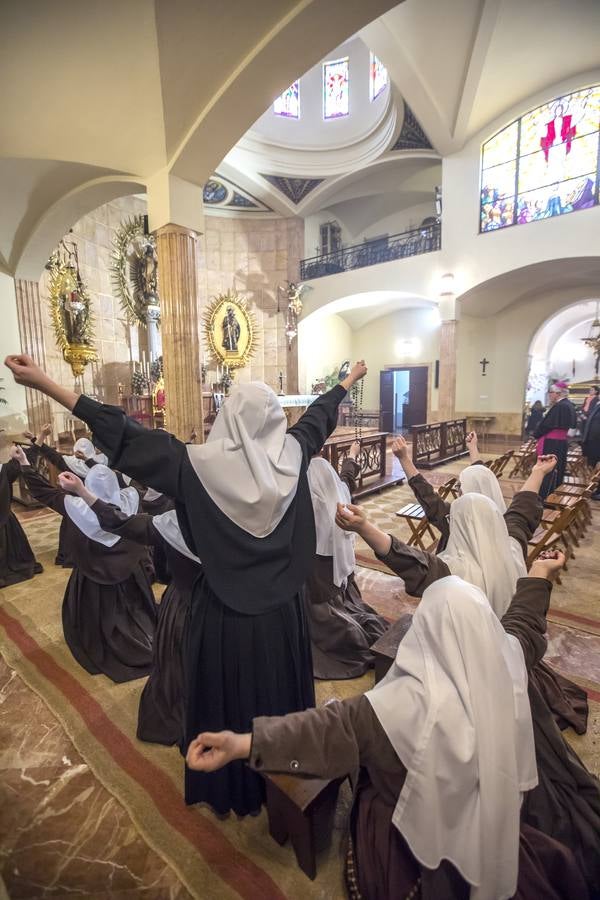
(415, 413)
(386, 400)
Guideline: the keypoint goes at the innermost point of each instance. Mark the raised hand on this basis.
(18, 453)
(46, 429)
(547, 565)
(79, 454)
(211, 751)
(25, 370)
(400, 448)
(471, 438)
(350, 518)
(546, 463)
(70, 483)
(29, 435)
(354, 450)
(358, 370)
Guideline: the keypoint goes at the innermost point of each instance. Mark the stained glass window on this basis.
(335, 89)
(544, 164)
(378, 77)
(288, 104)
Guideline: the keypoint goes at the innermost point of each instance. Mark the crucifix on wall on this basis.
(483, 363)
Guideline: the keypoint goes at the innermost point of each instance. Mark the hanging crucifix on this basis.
(483, 363)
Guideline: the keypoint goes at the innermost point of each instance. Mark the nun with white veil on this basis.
(566, 803)
(161, 713)
(80, 462)
(108, 612)
(243, 505)
(342, 626)
(525, 507)
(440, 754)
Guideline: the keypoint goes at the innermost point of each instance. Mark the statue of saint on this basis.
(148, 269)
(231, 331)
(74, 317)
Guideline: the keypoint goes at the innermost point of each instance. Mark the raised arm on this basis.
(350, 468)
(330, 742)
(316, 424)
(417, 568)
(544, 465)
(53, 456)
(39, 487)
(436, 510)
(137, 528)
(152, 457)
(12, 470)
(525, 618)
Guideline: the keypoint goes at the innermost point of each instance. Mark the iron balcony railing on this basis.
(370, 253)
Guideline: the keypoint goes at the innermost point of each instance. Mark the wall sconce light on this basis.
(447, 285)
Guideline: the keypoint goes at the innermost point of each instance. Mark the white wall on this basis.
(324, 342)
(406, 337)
(13, 415)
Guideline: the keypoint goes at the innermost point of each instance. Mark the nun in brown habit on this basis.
(244, 508)
(17, 562)
(108, 612)
(439, 754)
(568, 701)
(566, 802)
(342, 627)
(161, 714)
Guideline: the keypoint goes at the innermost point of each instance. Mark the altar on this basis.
(294, 405)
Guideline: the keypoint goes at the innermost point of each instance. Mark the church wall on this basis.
(115, 341)
(13, 414)
(324, 342)
(380, 344)
(253, 257)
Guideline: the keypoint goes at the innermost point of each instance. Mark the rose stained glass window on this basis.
(336, 101)
(545, 164)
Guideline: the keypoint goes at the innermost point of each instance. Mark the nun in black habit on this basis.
(553, 435)
(161, 714)
(154, 503)
(17, 562)
(244, 508)
(108, 612)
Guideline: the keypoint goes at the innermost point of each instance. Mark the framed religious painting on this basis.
(230, 329)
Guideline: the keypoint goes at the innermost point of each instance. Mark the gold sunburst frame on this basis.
(63, 281)
(244, 343)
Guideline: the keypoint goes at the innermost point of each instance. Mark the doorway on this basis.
(403, 398)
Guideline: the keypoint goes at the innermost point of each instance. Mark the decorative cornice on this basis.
(220, 193)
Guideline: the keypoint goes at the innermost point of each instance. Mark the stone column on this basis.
(180, 325)
(29, 314)
(447, 386)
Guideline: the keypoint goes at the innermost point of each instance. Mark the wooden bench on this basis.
(414, 515)
(301, 809)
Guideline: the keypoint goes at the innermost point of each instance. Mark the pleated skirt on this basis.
(238, 667)
(17, 562)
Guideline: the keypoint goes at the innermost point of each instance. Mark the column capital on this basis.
(172, 199)
(171, 228)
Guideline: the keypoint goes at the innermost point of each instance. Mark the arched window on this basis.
(544, 164)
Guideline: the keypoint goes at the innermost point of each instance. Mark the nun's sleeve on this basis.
(12, 470)
(330, 742)
(314, 427)
(350, 470)
(417, 568)
(435, 509)
(54, 457)
(523, 516)
(152, 457)
(42, 491)
(525, 618)
(137, 528)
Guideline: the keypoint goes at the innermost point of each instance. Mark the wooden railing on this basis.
(439, 442)
(371, 457)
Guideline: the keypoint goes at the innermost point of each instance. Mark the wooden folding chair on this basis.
(420, 527)
(502, 462)
(524, 459)
(449, 487)
(551, 533)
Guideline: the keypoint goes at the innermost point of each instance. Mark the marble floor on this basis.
(63, 835)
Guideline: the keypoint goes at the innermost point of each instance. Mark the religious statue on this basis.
(231, 331)
(147, 261)
(74, 317)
